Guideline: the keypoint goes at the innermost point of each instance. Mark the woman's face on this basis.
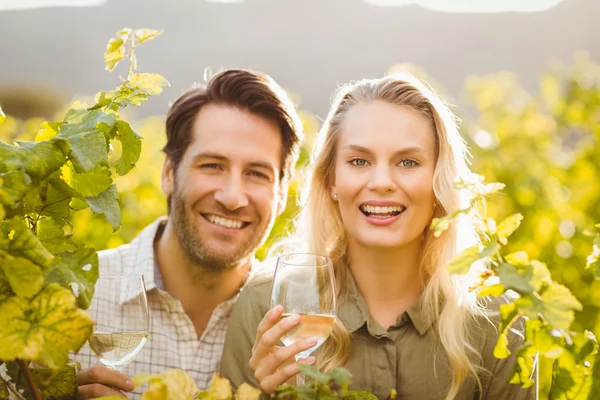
(384, 166)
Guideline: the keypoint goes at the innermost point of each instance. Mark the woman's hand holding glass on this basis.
(302, 317)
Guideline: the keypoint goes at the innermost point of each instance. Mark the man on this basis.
(231, 148)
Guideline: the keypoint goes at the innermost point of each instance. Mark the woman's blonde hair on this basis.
(319, 227)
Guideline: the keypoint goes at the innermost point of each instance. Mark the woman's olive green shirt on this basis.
(405, 357)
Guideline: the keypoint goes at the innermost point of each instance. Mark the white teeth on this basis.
(381, 210)
(227, 223)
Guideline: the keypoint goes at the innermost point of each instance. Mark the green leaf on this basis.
(61, 385)
(45, 329)
(541, 275)
(3, 387)
(107, 203)
(151, 84)
(53, 383)
(315, 375)
(56, 199)
(131, 147)
(54, 234)
(25, 278)
(5, 290)
(507, 227)
(114, 53)
(91, 183)
(86, 150)
(342, 377)
(462, 263)
(138, 98)
(518, 279)
(86, 139)
(24, 243)
(13, 186)
(143, 35)
(76, 271)
(41, 159)
(556, 304)
(78, 204)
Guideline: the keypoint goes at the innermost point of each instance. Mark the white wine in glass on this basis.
(304, 284)
(122, 319)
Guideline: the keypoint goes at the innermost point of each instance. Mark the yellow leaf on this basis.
(501, 348)
(491, 290)
(518, 259)
(48, 130)
(173, 384)
(220, 388)
(146, 34)
(2, 116)
(247, 392)
(149, 83)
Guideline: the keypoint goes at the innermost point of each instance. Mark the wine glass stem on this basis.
(300, 377)
(117, 368)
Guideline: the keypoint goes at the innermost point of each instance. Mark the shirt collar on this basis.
(354, 312)
(141, 259)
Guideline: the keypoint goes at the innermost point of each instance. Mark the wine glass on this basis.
(122, 319)
(304, 284)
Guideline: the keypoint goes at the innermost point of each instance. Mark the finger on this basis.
(282, 356)
(268, 321)
(104, 376)
(95, 390)
(282, 375)
(272, 336)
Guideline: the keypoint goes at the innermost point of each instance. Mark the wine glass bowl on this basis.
(303, 284)
(122, 319)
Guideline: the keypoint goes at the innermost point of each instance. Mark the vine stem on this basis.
(29, 379)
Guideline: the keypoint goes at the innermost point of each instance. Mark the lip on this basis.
(383, 221)
(382, 203)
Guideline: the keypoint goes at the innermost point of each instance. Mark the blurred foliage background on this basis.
(542, 143)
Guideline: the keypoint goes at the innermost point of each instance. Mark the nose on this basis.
(382, 180)
(231, 194)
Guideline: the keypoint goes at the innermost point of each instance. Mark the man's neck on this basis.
(200, 289)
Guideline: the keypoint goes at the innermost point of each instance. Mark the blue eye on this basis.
(408, 163)
(359, 162)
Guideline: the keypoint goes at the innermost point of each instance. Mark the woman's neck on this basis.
(388, 279)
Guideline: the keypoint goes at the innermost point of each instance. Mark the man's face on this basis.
(226, 191)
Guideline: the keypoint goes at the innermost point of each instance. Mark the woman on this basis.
(383, 167)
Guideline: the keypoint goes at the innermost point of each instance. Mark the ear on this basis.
(167, 178)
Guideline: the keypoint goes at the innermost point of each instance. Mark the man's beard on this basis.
(199, 252)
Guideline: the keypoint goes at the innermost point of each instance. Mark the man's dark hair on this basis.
(245, 90)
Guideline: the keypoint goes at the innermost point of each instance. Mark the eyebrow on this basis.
(220, 157)
(407, 150)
